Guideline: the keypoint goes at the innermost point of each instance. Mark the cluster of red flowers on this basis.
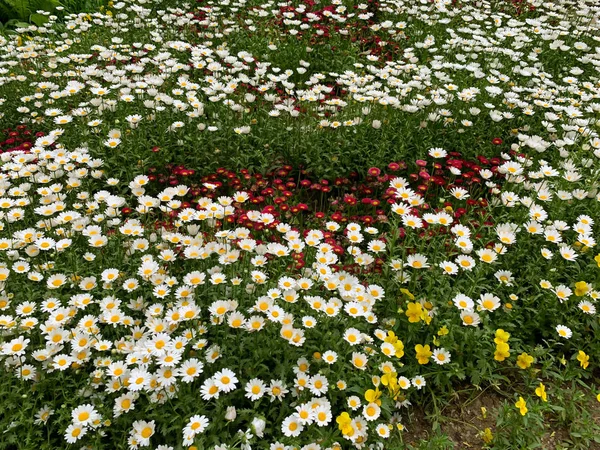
(360, 31)
(21, 138)
(290, 195)
(288, 191)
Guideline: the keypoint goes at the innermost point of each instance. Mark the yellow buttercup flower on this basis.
(443, 331)
(343, 419)
(521, 405)
(391, 337)
(399, 347)
(425, 317)
(345, 424)
(540, 391)
(581, 288)
(502, 351)
(373, 395)
(501, 336)
(389, 379)
(413, 312)
(423, 353)
(524, 360)
(487, 436)
(584, 360)
(597, 259)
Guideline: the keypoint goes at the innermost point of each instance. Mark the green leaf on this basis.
(47, 5)
(38, 19)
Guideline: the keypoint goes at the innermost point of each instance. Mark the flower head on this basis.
(540, 391)
(584, 360)
(524, 360)
(521, 405)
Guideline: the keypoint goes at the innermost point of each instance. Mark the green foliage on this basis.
(25, 10)
(437, 441)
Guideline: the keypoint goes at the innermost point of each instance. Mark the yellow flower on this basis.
(521, 405)
(407, 293)
(540, 391)
(343, 420)
(391, 381)
(372, 396)
(584, 360)
(501, 336)
(502, 351)
(487, 436)
(413, 312)
(581, 288)
(423, 353)
(524, 360)
(443, 331)
(425, 317)
(391, 337)
(598, 397)
(399, 347)
(597, 259)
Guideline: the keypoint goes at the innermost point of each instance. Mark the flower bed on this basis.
(298, 259)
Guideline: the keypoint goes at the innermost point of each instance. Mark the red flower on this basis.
(350, 199)
(374, 171)
(497, 141)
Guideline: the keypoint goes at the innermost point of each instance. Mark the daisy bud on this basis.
(258, 425)
(231, 413)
